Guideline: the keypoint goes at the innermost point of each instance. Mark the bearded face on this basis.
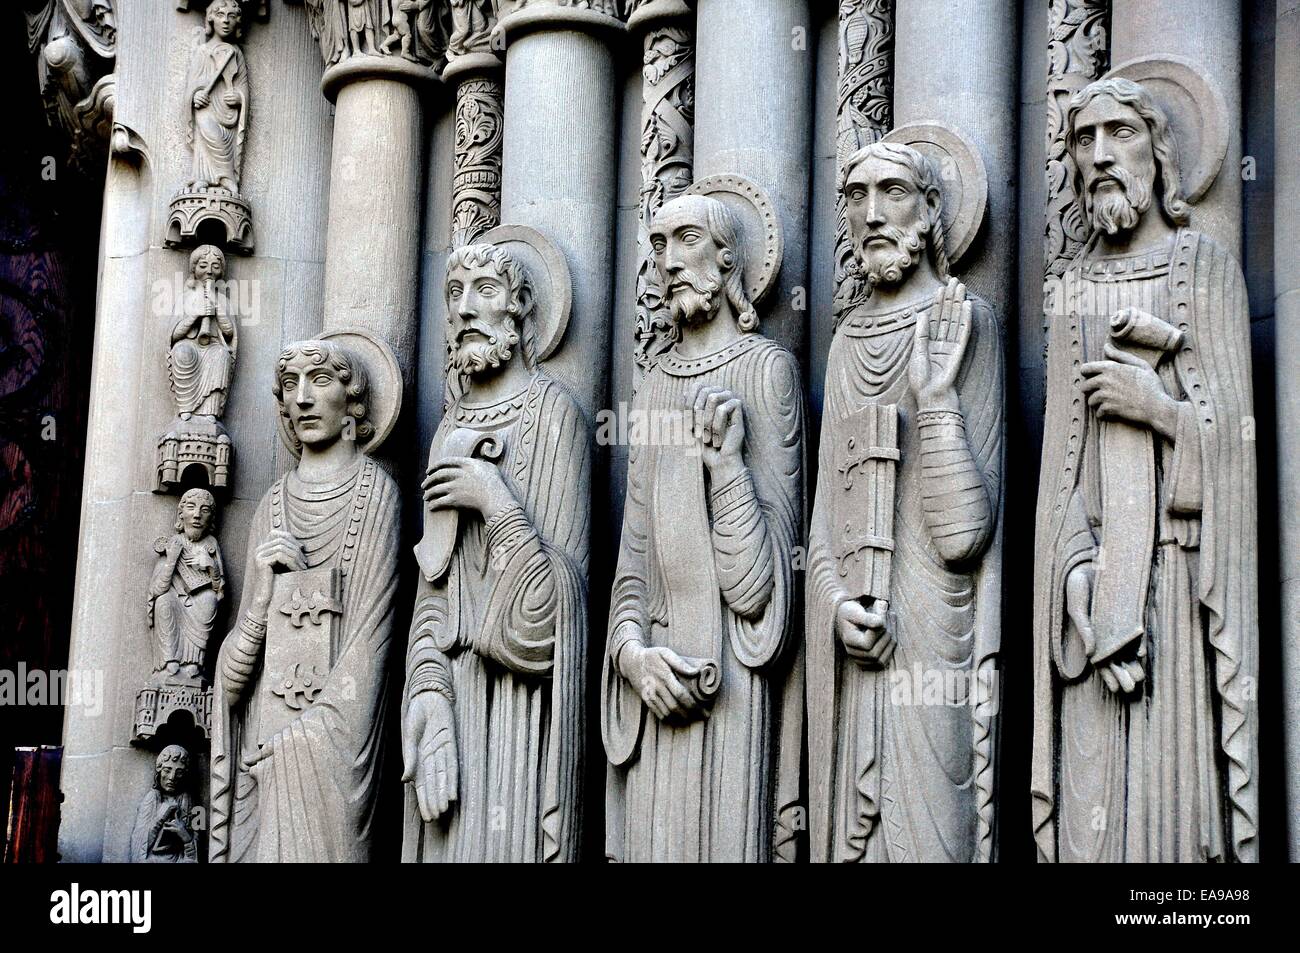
(483, 334)
(691, 262)
(889, 220)
(1117, 168)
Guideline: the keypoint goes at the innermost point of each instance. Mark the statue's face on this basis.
(209, 266)
(689, 260)
(195, 517)
(889, 218)
(315, 399)
(1117, 165)
(171, 777)
(225, 19)
(481, 331)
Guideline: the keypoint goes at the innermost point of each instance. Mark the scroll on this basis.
(865, 456)
(441, 527)
(302, 631)
(1128, 499)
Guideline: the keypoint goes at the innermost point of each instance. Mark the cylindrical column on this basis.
(1286, 276)
(476, 187)
(1207, 33)
(979, 38)
(755, 93)
(558, 171)
(372, 243)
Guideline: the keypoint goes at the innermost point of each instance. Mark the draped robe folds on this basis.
(314, 798)
(186, 596)
(893, 776)
(724, 787)
(217, 130)
(506, 628)
(1168, 774)
(155, 810)
(202, 354)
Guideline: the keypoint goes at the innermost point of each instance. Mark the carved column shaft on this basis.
(754, 97)
(476, 189)
(667, 153)
(1286, 272)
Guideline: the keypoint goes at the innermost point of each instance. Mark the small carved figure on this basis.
(217, 86)
(185, 591)
(471, 26)
(205, 339)
(163, 832)
(362, 27)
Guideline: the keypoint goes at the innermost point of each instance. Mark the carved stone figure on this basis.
(702, 616)
(908, 491)
(492, 726)
(1145, 617)
(185, 591)
(217, 86)
(471, 26)
(163, 832)
(298, 732)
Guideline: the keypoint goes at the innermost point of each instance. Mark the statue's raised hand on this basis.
(718, 423)
(430, 761)
(280, 552)
(939, 348)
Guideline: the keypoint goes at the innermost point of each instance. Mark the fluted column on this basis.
(558, 172)
(754, 95)
(1286, 276)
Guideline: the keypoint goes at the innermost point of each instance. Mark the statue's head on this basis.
(489, 310)
(321, 388)
(196, 513)
(893, 198)
(696, 244)
(224, 19)
(1122, 153)
(171, 770)
(207, 261)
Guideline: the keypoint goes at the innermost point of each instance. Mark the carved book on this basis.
(301, 632)
(862, 503)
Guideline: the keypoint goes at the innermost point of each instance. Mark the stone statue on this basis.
(702, 615)
(204, 340)
(362, 28)
(471, 26)
(162, 833)
(188, 584)
(1145, 614)
(298, 733)
(217, 86)
(908, 490)
(492, 726)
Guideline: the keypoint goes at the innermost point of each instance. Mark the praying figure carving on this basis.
(1145, 602)
(188, 584)
(696, 688)
(217, 86)
(298, 722)
(903, 526)
(492, 721)
(163, 831)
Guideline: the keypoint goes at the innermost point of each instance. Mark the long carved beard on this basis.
(1116, 211)
(690, 306)
(479, 356)
(891, 263)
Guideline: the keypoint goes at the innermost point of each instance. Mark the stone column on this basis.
(477, 72)
(754, 91)
(973, 45)
(1206, 33)
(1286, 272)
(372, 239)
(558, 173)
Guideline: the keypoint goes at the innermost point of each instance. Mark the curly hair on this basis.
(499, 258)
(1163, 144)
(349, 371)
(216, 5)
(205, 498)
(725, 232)
(927, 180)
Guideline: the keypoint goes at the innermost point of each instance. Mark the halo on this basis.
(384, 375)
(760, 228)
(548, 272)
(1197, 114)
(965, 180)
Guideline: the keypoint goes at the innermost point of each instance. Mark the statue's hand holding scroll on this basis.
(661, 677)
(939, 348)
(864, 632)
(467, 483)
(1122, 673)
(1126, 387)
(430, 761)
(718, 423)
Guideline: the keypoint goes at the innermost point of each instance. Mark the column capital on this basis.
(363, 66)
(584, 15)
(475, 43)
(642, 14)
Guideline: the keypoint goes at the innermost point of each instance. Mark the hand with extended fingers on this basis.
(940, 347)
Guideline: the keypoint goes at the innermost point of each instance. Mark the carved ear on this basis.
(525, 301)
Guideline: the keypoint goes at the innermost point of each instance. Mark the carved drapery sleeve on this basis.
(742, 548)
